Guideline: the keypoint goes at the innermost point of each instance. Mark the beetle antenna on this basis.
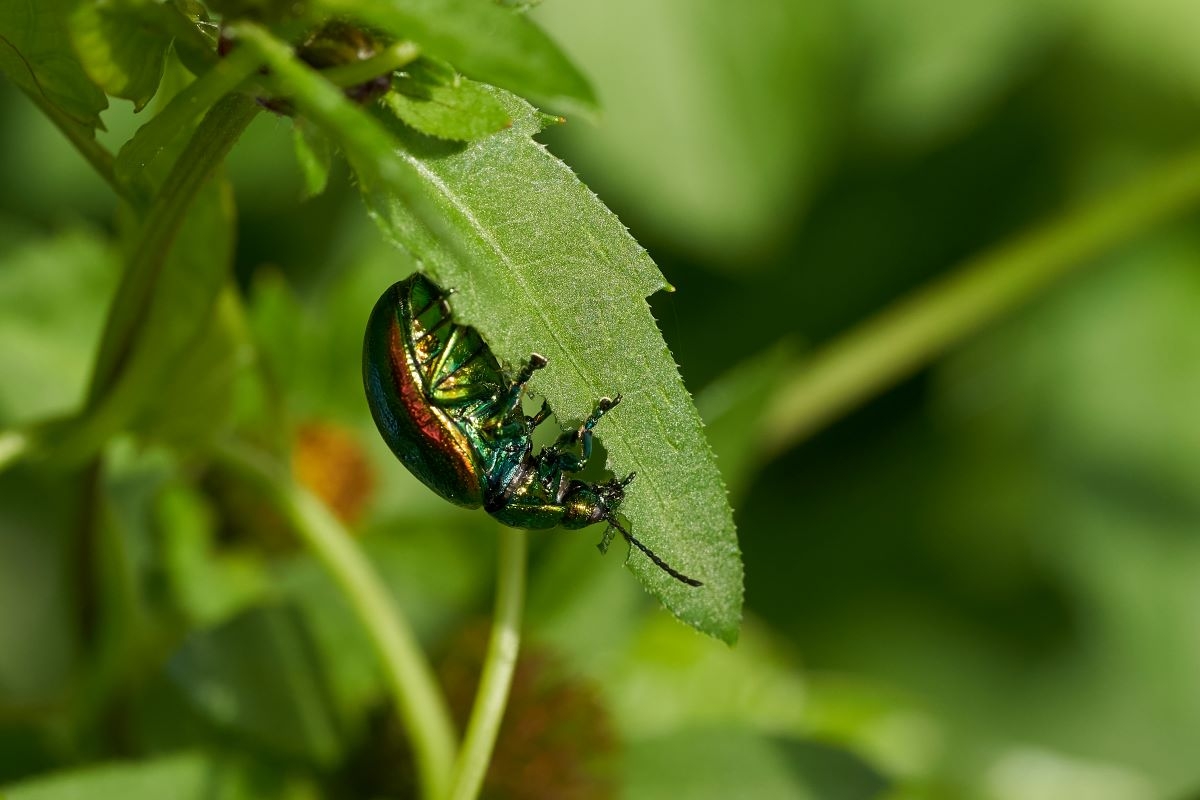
(664, 566)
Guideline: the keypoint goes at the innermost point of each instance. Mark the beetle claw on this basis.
(606, 404)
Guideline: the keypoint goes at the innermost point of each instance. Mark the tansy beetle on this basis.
(454, 417)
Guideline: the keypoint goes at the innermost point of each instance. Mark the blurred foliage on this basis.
(981, 586)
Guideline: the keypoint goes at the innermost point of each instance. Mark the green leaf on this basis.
(457, 109)
(123, 45)
(551, 270)
(482, 40)
(314, 152)
(259, 676)
(36, 55)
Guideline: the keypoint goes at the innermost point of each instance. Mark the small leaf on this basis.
(122, 45)
(455, 108)
(482, 40)
(314, 153)
(551, 270)
(259, 676)
(36, 55)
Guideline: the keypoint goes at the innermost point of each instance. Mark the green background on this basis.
(983, 583)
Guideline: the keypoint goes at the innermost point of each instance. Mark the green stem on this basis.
(496, 679)
(420, 703)
(197, 97)
(916, 330)
(371, 150)
(385, 62)
(208, 147)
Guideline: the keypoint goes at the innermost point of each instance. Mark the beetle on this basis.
(453, 416)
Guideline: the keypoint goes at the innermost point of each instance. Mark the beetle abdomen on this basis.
(418, 431)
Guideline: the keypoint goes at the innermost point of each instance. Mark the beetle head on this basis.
(589, 503)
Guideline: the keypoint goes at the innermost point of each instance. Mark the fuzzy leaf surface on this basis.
(549, 269)
(457, 109)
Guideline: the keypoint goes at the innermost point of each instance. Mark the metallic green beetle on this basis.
(452, 416)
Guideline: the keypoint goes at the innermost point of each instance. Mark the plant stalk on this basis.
(419, 701)
(900, 340)
(205, 152)
(501, 661)
(385, 62)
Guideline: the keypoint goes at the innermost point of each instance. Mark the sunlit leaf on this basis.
(553, 271)
(448, 108)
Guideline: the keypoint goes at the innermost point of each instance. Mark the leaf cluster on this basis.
(186, 597)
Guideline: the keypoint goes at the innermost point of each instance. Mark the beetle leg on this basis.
(541, 416)
(560, 491)
(603, 406)
(536, 362)
(513, 399)
(606, 540)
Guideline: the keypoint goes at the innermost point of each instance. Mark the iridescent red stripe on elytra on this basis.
(441, 438)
